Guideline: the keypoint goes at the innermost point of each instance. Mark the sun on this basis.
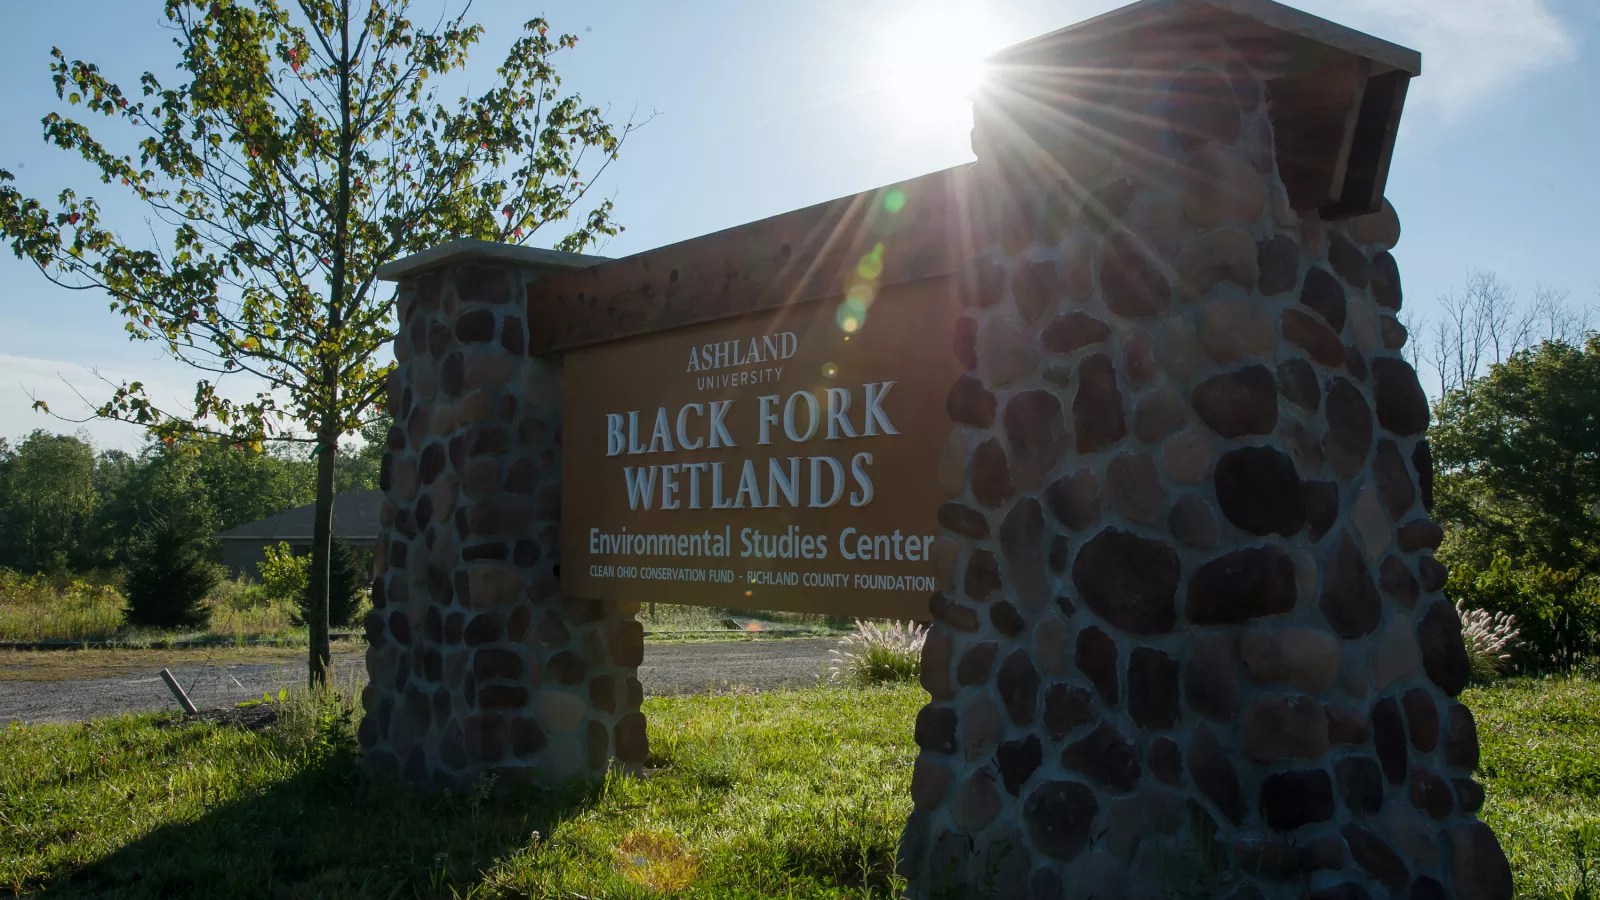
(929, 61)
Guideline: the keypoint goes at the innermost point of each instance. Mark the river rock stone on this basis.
(1278, 260)
(1075, 500)
(1360, 785)
(964, 342)
(964, 520)
(1152, 688)
(981, 727)
(991, 476)
(1212, 770)
(1348, 261)
(1071, 332)
(1036, 287)
(1193, 523)
(1058, 816)
(1179, 350)
(1422, 719)
(1037, 435)
(1386, 281)
(1394, 480)
(976, 802)
(1443, 656)
(1396, 580)
(935, 730)
(1106, 756)
(1431, 794)
(1421, 534)
(1290, 800)
(1349, 438)
(1129, 581)
(1097, 409)
(1478, 867)
(1221, 186)
(1350, 600)
(1158, 414)
(1434, 574)
(1323, 294)
(1138, 359)
(1065, 709)
(982, 576)
(929, 782)
(1322, 506)
(1018, 685)
(1376, 857)
(1402, 405)
(1389, 739)
(1396, 656)
(1461, 739)
(976, 663)
(1133, 487)
(1017, 761)
(1210, 682)
(1259, 491)
(1238, 403)
(1096, 657)
(1236, 328)
(1301, 656)
(1008, 351)
(1242, 585)
(1311, 335)
(1187, 457)
(970, 403)
(1131, 280)
(1297, 381)
(1223, 255)
(1346, 726)
(1280, 726)
(937, 650)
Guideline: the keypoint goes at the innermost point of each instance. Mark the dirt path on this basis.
(667, 669)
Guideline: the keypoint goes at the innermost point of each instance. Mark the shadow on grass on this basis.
(332, 829)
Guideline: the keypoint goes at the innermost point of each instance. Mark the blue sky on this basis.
(766, 107)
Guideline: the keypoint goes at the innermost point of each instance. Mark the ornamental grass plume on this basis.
(1488, 638)
(878, 652)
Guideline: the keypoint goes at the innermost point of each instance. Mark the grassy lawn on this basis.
(1540, 765)
(788, 794)
(785, 794)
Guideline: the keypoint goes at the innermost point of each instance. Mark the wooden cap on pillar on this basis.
(1334, 97)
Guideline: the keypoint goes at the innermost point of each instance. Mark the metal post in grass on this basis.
(177, 692)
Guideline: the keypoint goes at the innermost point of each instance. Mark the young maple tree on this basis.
(307, 145)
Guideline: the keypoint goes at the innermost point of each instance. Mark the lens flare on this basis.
(829, 370)
(893, 202)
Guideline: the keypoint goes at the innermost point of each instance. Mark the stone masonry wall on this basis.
(478, 665)
(1190, 640)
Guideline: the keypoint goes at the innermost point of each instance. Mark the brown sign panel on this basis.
(785, 460)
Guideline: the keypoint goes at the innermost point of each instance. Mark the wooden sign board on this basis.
(783, 460)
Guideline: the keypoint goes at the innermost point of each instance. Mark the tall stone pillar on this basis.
(479, 665)
(1190, 640)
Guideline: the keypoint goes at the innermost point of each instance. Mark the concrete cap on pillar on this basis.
(473, 250)
(1334, 94)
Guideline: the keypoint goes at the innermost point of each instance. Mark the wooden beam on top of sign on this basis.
(1372, 147)
(1314, 120)
(804, 255)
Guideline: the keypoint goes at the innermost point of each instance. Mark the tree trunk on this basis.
(321, 553)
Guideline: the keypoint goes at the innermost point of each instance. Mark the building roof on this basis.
(355, 518)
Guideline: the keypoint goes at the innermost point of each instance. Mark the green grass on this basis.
(1540, 766)
(785, 794)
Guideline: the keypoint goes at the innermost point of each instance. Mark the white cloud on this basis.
(1472, 50)
(73, 390)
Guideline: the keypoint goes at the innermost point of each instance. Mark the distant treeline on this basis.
(66, 506)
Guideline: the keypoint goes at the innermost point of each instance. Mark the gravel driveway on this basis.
(667, 669)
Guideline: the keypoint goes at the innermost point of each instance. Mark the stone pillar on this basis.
(1190, 639)
(478, 664)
